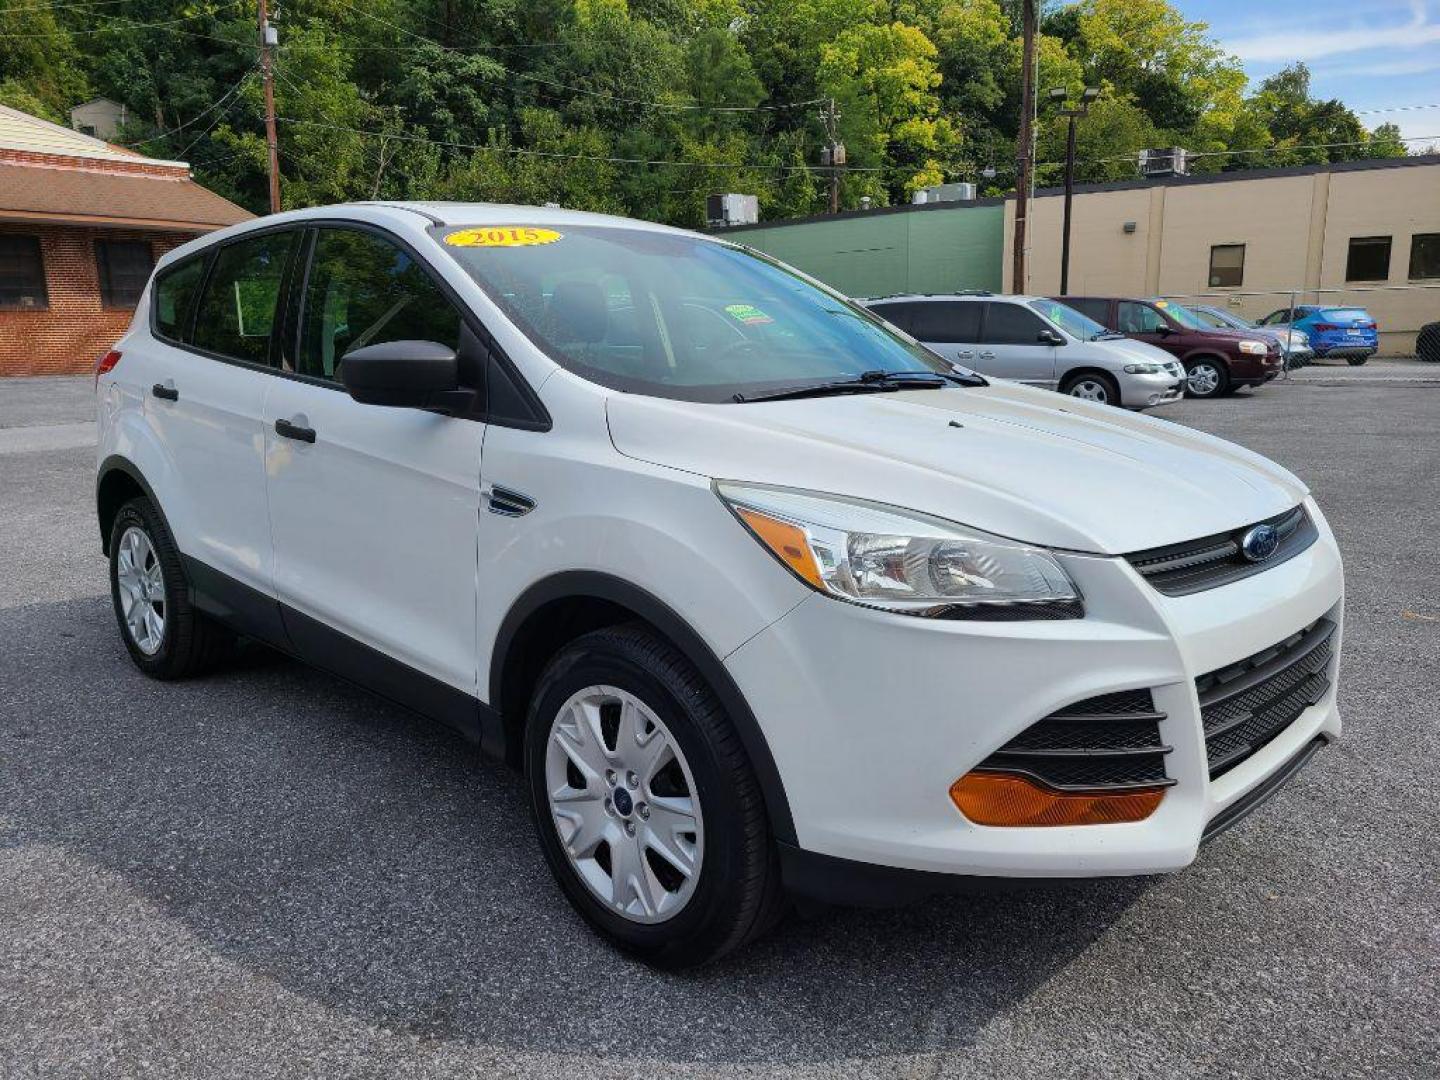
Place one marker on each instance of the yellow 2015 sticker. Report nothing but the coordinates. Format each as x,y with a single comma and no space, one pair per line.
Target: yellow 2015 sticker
502,236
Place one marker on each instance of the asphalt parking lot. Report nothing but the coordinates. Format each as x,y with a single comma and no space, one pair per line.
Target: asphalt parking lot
268,873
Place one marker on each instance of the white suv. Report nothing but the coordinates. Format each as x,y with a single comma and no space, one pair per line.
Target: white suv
1039,341
764,598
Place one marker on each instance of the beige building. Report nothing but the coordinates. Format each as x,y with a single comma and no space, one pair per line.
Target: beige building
1364,233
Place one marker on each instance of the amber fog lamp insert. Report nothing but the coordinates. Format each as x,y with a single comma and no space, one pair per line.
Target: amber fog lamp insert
992,798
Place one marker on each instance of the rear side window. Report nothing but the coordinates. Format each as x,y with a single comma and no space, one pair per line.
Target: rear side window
363,290
175,291
1011,324
947,322
238,307
901,315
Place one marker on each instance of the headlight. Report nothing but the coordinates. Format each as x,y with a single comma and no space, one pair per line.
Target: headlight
885,557
1299,339
1144,369
1254,348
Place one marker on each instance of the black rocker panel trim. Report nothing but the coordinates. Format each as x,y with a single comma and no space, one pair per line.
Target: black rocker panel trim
587,584
243,609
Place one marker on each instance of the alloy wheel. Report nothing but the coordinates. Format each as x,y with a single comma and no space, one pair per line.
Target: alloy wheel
142,590
1091,390
624,804
1203,379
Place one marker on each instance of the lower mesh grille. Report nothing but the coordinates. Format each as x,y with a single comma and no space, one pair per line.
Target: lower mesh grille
1246,704
1105,743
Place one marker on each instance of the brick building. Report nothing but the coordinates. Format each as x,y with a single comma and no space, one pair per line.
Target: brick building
81,224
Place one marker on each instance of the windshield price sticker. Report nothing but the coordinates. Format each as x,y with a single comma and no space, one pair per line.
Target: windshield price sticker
748,314
503,236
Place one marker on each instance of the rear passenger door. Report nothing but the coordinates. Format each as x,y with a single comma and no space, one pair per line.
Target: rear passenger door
374,510
1013,345
211,321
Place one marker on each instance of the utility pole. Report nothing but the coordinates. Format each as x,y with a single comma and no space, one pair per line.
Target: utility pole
833,156
268,38
1072,114
1025,146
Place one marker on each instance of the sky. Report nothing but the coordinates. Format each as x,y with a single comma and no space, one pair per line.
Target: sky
1371,54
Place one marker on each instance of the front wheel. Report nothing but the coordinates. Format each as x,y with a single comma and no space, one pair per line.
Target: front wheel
1092,386
646,806
1206,378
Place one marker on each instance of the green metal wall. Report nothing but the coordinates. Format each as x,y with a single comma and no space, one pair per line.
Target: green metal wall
880,254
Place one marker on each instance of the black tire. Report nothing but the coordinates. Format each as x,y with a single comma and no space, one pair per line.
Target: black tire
1356,361
190,643
1210,389
1103,383
1427,345
737,895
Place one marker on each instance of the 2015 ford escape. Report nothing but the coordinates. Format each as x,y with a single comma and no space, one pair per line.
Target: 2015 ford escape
764,597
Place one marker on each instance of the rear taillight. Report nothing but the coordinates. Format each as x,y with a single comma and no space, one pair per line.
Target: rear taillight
1324,327
1368,326
106,363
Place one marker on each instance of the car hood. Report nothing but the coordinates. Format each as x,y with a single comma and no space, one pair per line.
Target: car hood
1012,460
1128,351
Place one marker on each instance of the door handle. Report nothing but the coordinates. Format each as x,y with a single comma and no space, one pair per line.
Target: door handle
965,354
987,356
287,430
164,392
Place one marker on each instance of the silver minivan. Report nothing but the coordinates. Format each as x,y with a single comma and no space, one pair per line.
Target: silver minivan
1039,341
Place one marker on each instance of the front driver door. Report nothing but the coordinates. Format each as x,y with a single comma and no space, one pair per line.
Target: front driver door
374,510
1144,322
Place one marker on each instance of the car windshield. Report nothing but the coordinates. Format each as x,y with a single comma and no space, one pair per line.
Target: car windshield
1183,315
1068,319
1223,320
674,315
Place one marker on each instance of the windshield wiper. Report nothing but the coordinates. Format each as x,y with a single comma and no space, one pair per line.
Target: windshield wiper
867,382
1105,335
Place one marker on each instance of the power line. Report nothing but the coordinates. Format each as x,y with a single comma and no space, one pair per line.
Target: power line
196,118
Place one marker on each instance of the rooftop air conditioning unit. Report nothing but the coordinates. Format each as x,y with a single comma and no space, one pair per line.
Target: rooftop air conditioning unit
961,192
1170,161
722,211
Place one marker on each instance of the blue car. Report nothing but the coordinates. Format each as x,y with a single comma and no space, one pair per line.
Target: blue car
1347,332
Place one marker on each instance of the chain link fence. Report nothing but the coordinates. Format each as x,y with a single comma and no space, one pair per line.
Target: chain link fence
1407,317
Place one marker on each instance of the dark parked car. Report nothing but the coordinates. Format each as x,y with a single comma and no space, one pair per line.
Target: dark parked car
1427,345
1216,361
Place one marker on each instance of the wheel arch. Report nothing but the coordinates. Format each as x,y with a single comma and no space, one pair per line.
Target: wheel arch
558,609
117,481
1088,369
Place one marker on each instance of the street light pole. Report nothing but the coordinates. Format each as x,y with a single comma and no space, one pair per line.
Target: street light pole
1071,115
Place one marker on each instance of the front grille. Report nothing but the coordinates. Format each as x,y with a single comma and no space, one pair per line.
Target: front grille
1211,561
1106,743
1246,704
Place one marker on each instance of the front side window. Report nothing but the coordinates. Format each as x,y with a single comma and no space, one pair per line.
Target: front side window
1369,259
673,315
1227,265
1137,318
175,291
238,308
1425,256
22,273
1012,324
363,290
124,267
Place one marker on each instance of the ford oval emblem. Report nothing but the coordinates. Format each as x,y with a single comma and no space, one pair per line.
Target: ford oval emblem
1259,543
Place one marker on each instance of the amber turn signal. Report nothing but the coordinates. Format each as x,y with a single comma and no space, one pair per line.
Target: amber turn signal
787,542
989,798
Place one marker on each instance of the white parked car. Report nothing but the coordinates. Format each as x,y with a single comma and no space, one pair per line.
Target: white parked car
1036,340
764,598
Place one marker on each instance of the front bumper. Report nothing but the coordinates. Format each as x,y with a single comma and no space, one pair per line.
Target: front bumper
872,716
1147,391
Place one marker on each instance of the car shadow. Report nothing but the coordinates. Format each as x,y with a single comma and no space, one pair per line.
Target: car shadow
363,858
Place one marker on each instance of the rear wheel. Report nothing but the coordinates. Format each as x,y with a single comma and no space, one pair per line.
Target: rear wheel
1206,378
645,803
166,637
1356,361
1092,386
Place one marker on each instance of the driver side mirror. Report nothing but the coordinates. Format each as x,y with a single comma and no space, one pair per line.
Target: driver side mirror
1050,337
405,375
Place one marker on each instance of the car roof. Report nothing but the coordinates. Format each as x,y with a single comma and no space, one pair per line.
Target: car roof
964,294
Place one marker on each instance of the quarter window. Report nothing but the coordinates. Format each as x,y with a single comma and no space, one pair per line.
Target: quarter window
363,290
175,290
238,308
1369,259
1011,324
124,267
1139,318
1227,265
1425,255
22,273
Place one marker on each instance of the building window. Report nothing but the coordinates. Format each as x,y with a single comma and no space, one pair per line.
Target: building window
1369,259
1425,255
22,274
1227,265
125,267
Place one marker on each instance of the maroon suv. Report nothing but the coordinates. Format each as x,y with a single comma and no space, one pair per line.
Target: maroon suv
1216,361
